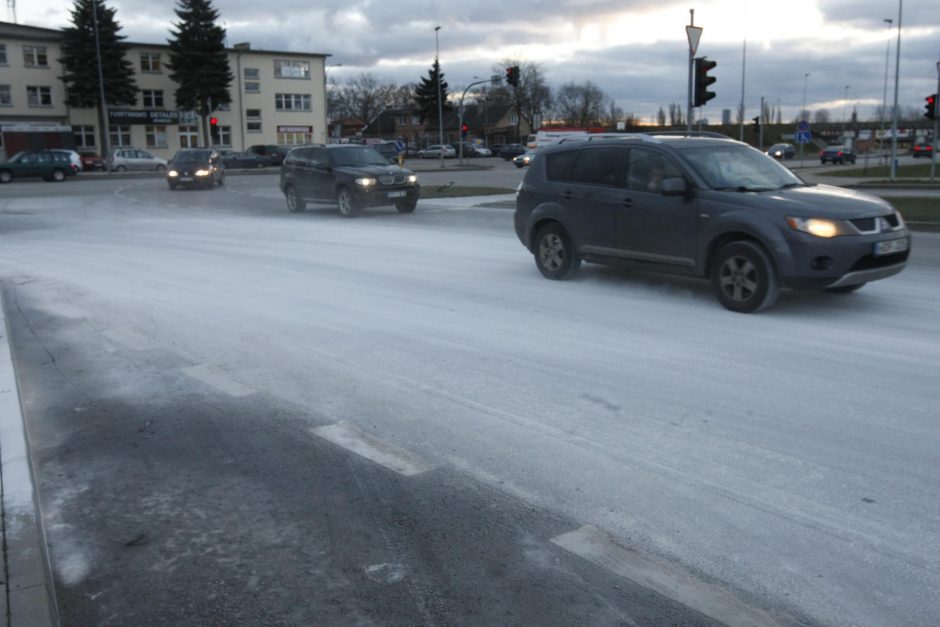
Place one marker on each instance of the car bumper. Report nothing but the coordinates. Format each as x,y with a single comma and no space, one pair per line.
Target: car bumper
841,261
386,194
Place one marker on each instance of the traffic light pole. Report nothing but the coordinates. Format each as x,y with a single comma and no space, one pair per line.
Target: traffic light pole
688,108
460,113
936,119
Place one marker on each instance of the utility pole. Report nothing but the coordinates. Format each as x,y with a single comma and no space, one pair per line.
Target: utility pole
894,118
105,127
694,34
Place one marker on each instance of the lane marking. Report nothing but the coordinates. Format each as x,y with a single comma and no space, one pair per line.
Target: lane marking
595,546
219,381
367,445
130,339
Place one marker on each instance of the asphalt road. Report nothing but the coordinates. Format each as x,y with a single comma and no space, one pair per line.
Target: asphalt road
240,415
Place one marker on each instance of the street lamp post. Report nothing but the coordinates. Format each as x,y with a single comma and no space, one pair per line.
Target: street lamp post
894,116
440,104
845,100
103,109
884,100
326,98
802,112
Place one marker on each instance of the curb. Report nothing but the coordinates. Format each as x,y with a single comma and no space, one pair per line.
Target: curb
27,593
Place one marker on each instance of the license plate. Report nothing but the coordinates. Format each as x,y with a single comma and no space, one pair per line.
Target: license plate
397,194
186,179
891,246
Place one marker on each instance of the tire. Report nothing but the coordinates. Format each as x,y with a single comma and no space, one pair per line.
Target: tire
295,204
822,161
845,289
222,179
743,278
121,168
161,167
5,176
58,176
555,255
348,206
172,185
406,206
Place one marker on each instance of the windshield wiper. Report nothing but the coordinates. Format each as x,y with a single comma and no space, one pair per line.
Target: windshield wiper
742,188
789,185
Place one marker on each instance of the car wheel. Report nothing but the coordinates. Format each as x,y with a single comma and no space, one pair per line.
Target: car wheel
5,176
58,176
222,179
161,167
743,278
555,255
347,203
844,289
406,206
172,185
120,168
295,204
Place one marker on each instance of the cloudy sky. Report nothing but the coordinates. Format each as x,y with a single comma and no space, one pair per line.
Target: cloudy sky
635,50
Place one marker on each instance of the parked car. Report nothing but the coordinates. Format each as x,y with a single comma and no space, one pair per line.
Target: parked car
524,159
196,167
711,208
435,151
47,164
352,176
91,161
509,151
472,150
782,151
837,154
389,150
495,149
125,159
272,152
74,158
482,151
232,159
923,149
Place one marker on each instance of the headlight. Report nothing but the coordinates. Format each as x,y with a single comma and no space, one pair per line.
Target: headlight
412,178
365,182
820,227
172,173
202,172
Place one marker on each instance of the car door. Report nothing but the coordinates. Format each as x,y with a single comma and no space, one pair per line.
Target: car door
652,226
322,178
594,197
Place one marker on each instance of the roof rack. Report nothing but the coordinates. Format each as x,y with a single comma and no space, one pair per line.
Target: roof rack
690,134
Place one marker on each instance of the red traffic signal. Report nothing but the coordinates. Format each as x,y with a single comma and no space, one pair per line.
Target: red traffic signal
930,108
702,80
213,121
464,129
512,75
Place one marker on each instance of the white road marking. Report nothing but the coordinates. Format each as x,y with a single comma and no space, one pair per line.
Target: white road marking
366,445
130,339
597,547
219,381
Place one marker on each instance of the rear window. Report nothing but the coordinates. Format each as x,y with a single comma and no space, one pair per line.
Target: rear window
601,166
558,165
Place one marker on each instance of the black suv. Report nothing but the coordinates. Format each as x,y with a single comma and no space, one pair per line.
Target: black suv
195,167
351,175
704,207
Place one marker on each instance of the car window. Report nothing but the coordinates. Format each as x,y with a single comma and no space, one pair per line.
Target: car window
358,156
647,168
738,167
601,166
318,157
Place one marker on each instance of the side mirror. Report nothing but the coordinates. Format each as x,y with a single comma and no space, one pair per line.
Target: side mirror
674,186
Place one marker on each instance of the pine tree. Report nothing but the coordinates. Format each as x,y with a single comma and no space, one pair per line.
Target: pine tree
79,60
425,95
198,61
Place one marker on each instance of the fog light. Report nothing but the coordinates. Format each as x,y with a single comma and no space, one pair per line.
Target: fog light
821,263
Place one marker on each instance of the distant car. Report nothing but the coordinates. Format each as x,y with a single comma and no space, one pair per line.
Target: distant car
389,150
125,159
837,154
272,152
74,158
350,175
524,159
196,167
91,161
435,152
483,151
47,164
923,149
232,159
782,151
509,151
495,148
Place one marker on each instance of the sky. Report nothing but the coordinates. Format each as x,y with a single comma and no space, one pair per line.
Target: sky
635,50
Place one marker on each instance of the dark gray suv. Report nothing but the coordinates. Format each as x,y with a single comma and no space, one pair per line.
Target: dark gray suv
703,207
351,175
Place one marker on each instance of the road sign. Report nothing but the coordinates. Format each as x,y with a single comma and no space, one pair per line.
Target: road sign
803,125
803,137
695,34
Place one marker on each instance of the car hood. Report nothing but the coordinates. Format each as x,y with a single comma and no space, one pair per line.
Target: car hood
824,201
373,170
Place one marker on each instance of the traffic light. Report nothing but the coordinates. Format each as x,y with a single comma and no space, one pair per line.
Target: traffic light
464,129
214,129
756,121
703,80
930,108
512,75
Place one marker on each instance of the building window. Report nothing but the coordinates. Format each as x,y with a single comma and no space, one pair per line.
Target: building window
153,98
156,136
291,69
225,136
253,114
292,102
6,96
252,73
252,88
3,54
513,119
189,137
39,96
253,127
35,56
294,138
119,136
416,119
150,62
223,107
84,136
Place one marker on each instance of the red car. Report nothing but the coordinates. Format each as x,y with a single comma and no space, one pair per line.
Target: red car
91,161
923,150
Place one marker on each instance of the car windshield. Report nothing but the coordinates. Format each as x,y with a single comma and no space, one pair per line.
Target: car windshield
191,157
735,167
357,157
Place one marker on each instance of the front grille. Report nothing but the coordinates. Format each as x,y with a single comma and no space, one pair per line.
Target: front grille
392,179
880,224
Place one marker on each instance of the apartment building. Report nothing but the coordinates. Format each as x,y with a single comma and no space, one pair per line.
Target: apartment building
277,98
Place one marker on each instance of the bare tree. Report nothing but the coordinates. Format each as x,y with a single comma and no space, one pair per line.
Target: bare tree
821,116
580,105
532,96
675,114
363,97
661,117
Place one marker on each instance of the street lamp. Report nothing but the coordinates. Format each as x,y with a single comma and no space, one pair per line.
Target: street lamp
440,104
845,100
894,116
884,100
802,113
326,98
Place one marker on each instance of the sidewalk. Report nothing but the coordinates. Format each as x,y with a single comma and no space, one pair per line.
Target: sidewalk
27,595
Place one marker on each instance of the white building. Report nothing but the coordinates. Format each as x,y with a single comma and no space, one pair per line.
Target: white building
277,98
